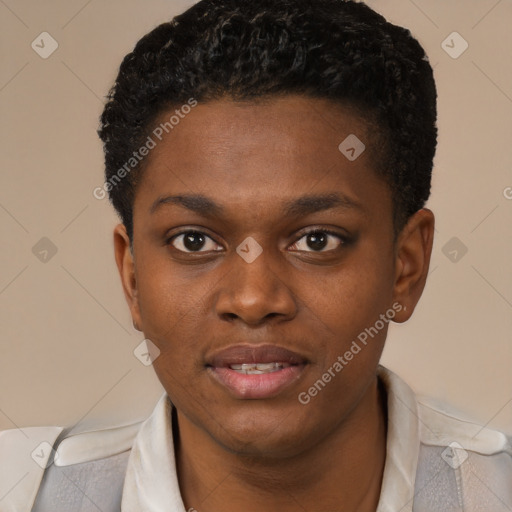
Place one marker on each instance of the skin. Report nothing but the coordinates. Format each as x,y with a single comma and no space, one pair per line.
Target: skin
252,159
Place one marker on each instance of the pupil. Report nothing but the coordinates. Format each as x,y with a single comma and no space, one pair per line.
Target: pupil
194,241
317,241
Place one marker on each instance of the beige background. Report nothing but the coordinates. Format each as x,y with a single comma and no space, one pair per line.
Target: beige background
66,346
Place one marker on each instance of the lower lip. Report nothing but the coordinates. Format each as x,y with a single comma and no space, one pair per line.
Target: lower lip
266,385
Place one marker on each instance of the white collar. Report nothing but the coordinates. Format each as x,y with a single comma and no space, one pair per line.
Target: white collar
402,447
151,482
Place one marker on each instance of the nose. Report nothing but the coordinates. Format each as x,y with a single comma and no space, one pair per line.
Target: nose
254,293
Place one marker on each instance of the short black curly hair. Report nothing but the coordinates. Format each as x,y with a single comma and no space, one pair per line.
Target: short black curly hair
248,49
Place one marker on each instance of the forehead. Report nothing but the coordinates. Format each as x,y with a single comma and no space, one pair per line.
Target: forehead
261,152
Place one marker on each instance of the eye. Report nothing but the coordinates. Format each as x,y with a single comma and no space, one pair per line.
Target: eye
193,241
318,241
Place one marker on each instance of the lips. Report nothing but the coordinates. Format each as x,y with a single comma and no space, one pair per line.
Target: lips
256,371
254,354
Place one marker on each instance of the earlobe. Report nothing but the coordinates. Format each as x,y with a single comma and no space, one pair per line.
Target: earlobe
413,251
126,267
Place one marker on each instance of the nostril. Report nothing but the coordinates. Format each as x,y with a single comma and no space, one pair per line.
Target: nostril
230,316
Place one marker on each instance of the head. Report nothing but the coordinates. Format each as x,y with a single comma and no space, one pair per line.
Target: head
270,163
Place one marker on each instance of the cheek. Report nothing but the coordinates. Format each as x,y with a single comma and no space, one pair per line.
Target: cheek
350,298
172,309
347,307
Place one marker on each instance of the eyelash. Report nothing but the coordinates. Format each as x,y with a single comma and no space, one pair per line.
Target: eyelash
344,240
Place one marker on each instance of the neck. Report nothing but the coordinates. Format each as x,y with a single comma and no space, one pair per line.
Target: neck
343,471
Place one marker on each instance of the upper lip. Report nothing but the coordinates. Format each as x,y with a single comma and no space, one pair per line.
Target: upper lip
240,354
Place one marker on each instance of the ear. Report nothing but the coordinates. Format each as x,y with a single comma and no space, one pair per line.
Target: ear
412,260
126,266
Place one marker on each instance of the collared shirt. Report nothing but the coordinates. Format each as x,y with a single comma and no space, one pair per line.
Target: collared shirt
434,463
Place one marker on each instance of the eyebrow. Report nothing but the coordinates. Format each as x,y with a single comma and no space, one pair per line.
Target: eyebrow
301,206
194,202
308,204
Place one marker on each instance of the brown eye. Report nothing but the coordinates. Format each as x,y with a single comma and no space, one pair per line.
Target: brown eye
318,241
194,241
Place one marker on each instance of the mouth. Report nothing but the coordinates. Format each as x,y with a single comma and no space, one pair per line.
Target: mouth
258,368
256,371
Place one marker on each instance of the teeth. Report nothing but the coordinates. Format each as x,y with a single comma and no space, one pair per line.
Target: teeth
258,368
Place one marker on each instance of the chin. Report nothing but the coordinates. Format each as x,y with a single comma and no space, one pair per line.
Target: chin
273,436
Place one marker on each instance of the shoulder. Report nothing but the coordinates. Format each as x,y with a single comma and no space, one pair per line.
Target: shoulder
45,469
440,425
25,454
462,465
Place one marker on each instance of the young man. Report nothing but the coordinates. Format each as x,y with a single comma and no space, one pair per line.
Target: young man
270,162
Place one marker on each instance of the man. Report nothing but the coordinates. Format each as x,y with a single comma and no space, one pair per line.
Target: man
270,163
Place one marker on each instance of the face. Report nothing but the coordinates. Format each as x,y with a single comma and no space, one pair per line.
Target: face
262,256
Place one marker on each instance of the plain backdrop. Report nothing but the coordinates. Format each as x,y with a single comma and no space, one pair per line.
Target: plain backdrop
67,341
